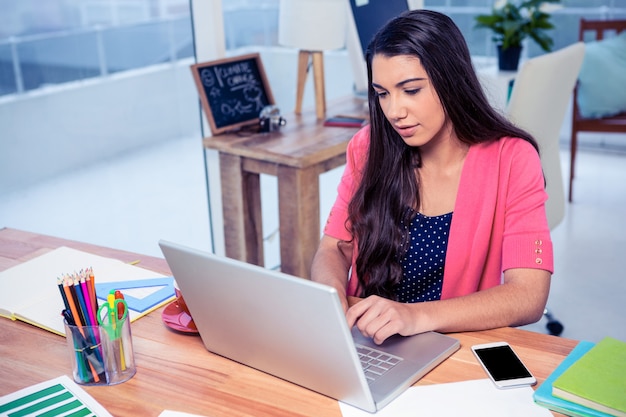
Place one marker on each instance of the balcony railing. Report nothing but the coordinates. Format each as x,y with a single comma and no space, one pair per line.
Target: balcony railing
32,62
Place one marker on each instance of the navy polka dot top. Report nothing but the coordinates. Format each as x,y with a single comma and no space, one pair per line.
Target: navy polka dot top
423,262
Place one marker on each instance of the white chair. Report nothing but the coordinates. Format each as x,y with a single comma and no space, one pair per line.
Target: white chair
541,94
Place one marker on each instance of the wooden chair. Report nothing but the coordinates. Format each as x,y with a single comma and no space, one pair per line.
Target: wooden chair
613,124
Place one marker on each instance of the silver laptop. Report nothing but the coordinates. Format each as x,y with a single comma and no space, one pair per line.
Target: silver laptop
296,329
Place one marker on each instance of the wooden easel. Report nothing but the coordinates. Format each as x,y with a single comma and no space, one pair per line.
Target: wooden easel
317,57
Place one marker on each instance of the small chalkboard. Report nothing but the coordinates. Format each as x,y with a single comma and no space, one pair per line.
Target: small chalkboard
233,91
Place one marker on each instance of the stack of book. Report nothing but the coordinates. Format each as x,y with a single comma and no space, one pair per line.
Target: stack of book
591,381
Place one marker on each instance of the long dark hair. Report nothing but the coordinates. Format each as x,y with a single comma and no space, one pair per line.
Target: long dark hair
389,183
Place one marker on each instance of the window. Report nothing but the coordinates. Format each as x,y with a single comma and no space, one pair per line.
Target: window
255,22
90,90
78,40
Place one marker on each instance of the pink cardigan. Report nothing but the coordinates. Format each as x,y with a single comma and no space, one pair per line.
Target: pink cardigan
499,220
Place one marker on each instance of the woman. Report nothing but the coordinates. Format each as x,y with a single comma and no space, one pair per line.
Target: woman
439,222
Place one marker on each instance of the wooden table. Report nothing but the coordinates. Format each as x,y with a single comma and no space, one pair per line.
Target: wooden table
296,154
175,372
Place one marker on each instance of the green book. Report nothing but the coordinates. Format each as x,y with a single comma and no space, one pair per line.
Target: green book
598,379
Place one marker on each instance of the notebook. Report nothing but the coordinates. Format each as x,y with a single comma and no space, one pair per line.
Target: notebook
295,329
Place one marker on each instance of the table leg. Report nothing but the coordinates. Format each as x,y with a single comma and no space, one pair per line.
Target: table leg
241,205
299,218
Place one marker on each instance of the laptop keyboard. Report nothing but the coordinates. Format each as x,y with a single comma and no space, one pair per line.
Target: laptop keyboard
375,362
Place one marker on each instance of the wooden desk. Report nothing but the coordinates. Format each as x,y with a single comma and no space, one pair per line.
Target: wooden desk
296,155
175,372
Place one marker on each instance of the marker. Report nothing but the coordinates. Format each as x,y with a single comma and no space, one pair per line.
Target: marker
120,306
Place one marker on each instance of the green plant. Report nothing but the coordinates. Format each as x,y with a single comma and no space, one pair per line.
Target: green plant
511,23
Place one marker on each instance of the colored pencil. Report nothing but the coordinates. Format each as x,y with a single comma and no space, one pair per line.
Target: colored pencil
82,307
71,301
75,308
91,314
62,291
91,281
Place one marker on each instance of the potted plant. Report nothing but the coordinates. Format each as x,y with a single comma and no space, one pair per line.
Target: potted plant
512,22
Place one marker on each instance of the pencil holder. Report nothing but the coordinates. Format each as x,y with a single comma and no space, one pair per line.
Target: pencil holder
101,355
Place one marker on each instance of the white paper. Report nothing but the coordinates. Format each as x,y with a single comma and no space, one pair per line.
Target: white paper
169,413
479,398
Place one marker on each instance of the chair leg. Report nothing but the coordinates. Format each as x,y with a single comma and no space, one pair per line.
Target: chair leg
572,163
555,328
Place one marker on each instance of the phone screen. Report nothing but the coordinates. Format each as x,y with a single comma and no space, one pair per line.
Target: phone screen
502,363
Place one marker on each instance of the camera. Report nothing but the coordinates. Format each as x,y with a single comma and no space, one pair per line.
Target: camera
270,119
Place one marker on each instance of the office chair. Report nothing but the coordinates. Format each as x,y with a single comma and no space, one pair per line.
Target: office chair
539,100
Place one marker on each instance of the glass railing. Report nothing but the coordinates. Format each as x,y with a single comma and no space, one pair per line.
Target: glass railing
32,62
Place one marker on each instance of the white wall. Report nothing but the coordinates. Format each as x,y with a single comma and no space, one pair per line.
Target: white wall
107,116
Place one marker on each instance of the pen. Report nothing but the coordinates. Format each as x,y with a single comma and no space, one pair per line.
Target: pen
68,317
112,316
121,307
111,310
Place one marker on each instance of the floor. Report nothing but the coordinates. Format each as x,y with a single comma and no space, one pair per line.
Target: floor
159,192
128,202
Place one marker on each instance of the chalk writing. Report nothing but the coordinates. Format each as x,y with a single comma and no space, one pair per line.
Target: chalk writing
234,90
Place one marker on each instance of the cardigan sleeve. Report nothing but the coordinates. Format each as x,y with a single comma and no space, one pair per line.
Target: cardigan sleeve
499,219
526,238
